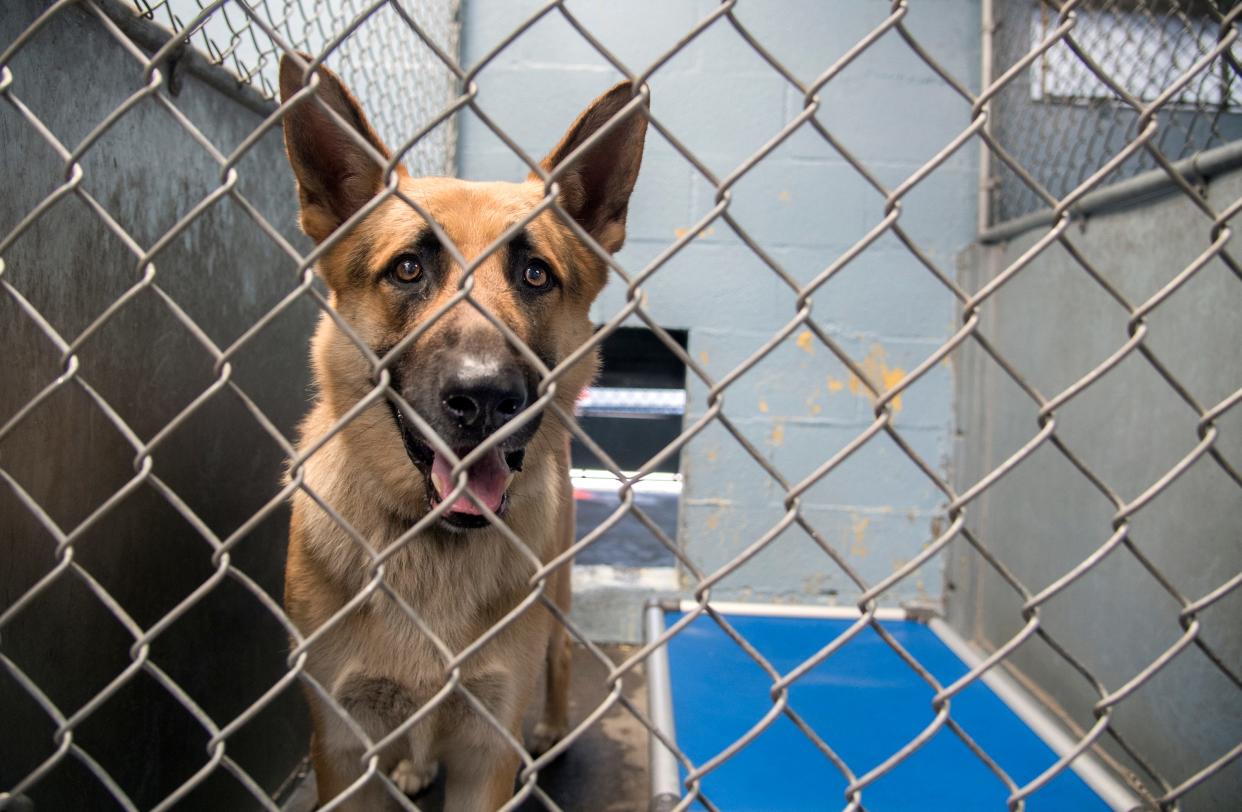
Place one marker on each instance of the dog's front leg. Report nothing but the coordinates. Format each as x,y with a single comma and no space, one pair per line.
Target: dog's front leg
417,770
479,781
336,754
554,722
336,771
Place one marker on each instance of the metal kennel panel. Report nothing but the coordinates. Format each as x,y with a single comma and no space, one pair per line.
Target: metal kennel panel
134,393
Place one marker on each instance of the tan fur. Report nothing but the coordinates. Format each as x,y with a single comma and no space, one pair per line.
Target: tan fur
374,659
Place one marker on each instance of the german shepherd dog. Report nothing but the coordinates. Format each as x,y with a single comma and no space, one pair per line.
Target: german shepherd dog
387,274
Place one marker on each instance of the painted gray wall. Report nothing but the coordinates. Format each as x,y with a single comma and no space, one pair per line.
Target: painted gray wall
225,273
1054,324
805,206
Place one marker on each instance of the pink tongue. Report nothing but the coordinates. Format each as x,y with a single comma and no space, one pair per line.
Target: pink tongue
487,479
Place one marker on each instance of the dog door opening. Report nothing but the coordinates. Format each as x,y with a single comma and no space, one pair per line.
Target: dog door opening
633,411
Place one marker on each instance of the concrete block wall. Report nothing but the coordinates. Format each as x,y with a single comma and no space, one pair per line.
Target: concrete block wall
805,206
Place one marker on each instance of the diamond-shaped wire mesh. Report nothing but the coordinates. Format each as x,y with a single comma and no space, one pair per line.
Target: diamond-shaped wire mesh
1062,121
391,71
145,404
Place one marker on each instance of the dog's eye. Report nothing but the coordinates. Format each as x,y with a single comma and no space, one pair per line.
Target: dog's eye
407,270
537,274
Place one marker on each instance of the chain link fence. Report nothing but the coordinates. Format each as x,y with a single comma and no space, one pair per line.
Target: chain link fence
392,71
1131,113
1062,122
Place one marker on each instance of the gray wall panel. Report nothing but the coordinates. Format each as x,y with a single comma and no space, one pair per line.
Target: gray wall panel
1054,325
147,172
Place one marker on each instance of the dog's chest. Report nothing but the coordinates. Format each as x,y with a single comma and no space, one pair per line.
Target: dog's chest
443,711
394,660
444,593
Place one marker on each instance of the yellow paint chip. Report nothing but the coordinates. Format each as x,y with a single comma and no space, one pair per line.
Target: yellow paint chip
784,196
778,434
704,357
858,531
763,405
681,232
879,373
804,341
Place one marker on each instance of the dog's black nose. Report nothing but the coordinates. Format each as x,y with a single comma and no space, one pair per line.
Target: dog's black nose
484,398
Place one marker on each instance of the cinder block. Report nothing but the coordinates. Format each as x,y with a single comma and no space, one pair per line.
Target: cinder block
884,119
877,475
791,381
884,292
947,29
794,568
723,118
784,202
636,33
510,96
701,284
939,213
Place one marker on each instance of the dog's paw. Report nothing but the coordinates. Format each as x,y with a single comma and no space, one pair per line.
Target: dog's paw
413,778
544,737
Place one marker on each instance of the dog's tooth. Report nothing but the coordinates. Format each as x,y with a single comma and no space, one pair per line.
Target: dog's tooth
509,480
438,482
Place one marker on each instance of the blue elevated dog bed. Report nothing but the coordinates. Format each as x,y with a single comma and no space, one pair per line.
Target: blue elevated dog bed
866,703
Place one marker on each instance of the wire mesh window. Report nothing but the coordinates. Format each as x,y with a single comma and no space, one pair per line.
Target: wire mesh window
856,400
1077,108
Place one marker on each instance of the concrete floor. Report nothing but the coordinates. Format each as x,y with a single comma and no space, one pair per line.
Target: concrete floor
604,770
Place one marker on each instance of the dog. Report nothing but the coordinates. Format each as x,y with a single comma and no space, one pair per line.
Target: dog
389,276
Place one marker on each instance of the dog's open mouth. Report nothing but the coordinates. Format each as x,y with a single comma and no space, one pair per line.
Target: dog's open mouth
488,478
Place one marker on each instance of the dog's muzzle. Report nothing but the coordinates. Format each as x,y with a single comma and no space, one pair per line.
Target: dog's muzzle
472,403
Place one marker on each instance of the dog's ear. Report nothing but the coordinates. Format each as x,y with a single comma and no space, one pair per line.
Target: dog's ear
336,176
596,188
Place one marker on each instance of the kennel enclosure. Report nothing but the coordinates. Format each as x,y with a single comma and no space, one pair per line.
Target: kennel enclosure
951,284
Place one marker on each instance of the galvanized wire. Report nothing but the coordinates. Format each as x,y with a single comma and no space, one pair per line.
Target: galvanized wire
1062,122
393,73
257,33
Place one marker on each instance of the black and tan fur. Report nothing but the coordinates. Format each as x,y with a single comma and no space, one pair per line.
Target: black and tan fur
460,578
